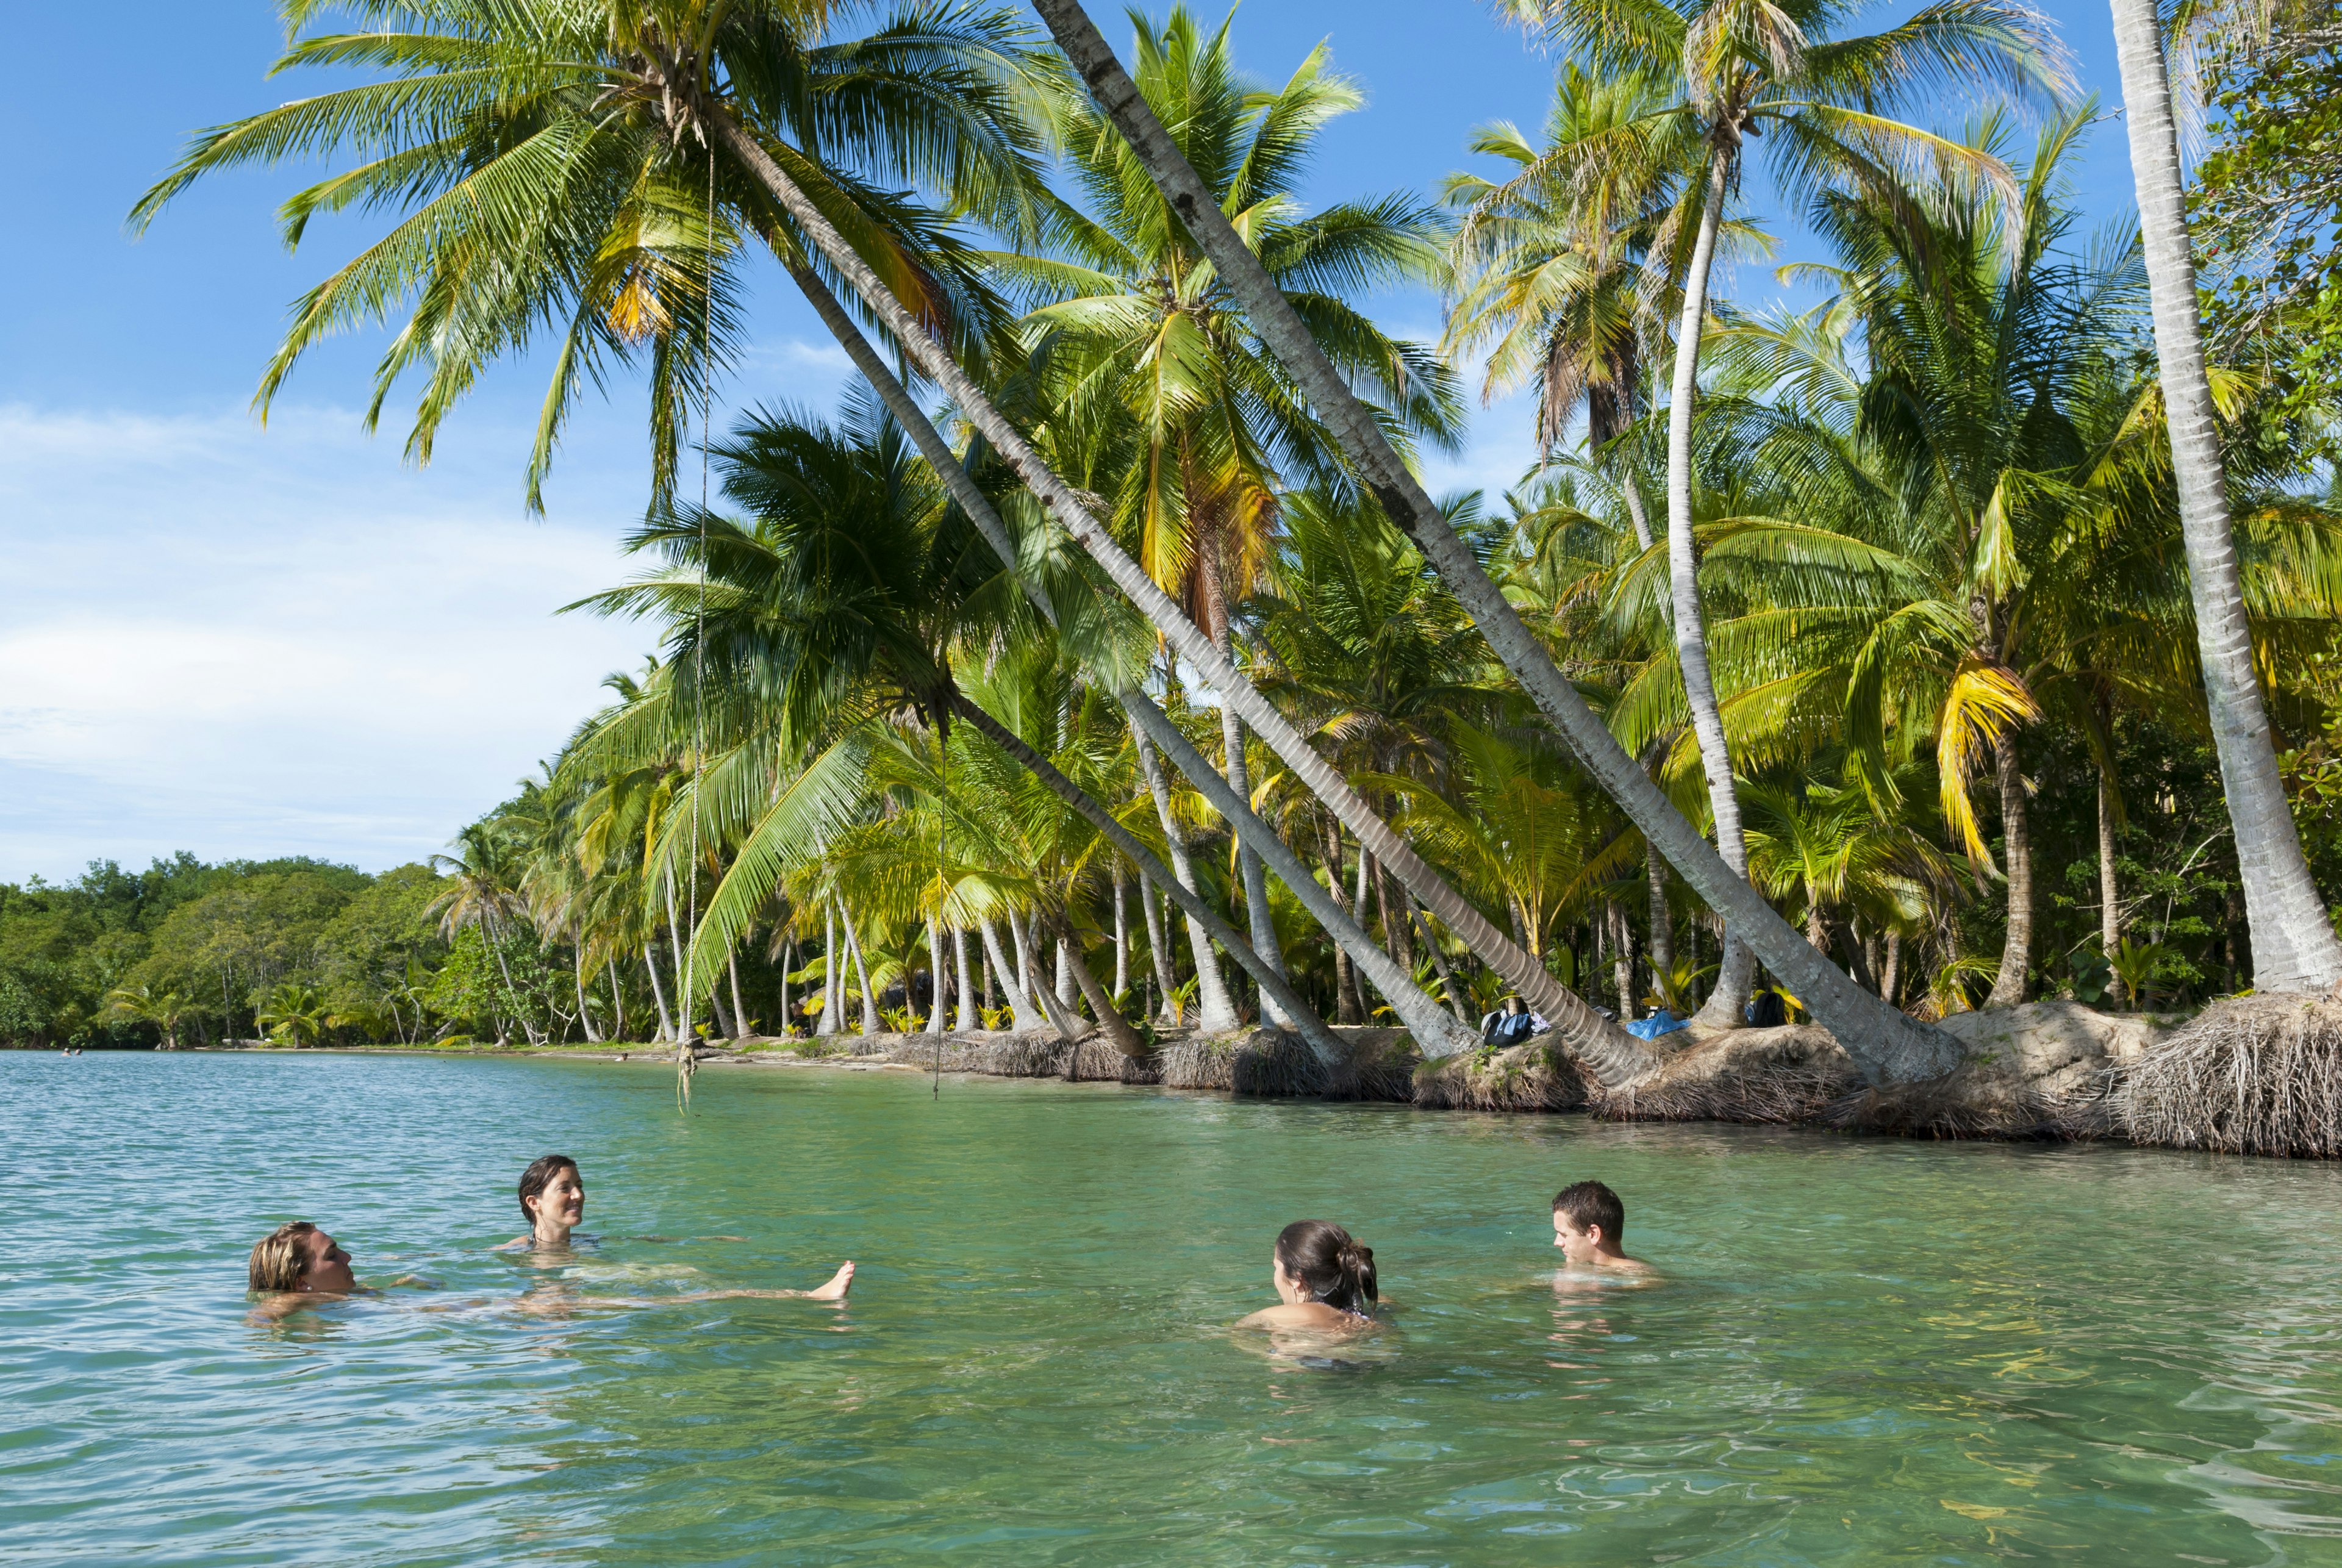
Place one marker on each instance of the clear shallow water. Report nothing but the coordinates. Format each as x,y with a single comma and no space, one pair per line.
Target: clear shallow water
1863,1351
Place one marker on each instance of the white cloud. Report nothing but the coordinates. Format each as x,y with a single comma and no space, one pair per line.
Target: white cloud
248,642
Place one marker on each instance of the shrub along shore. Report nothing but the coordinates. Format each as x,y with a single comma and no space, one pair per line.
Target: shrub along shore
2257,1083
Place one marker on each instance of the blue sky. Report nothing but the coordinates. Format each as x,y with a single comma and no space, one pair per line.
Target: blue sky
247,642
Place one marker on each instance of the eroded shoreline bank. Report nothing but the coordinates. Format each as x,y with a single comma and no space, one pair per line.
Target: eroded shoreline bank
2050,1071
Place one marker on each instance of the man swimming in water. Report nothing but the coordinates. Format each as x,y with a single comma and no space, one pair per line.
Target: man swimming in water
1589,1226
552,1201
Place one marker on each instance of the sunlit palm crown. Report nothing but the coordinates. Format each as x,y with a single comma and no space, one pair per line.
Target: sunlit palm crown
1135,325
552,181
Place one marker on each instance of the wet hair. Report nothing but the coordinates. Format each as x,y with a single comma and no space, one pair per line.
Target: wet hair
280,1258
539,1175
1590,1203
1329,1263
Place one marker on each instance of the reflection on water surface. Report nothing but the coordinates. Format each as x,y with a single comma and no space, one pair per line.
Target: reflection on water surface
1861,1349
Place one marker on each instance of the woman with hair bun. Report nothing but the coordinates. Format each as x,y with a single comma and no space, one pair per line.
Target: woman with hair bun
1325,1280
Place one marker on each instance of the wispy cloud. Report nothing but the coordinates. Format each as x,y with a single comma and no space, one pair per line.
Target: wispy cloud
247,642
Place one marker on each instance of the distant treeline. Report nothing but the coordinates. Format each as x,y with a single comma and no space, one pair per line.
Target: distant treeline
304,952
189,953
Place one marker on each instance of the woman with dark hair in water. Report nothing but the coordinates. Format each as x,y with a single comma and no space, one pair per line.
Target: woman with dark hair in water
552,1201
1325,1280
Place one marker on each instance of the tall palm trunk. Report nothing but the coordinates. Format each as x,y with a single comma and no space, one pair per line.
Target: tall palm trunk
1121,936
1158,954
2294,944
1214,1011
512,996
1249,871
968,1019
788,962
585,1013
1273,983
833,975
617,998
1622,959
1023,1015
658,992
1614,1054
1885,1044
1062,1017
739,1013
1738,975
861,971
2017,857
2110,892
1349,1007
725,1029
1110,1021
935,976
1023,942
1660,943
1891,978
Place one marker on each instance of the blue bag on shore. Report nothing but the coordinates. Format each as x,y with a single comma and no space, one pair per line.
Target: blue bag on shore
1660,1022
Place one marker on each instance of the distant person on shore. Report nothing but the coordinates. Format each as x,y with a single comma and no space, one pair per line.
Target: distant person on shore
1324,1281
1589,1226
552,1201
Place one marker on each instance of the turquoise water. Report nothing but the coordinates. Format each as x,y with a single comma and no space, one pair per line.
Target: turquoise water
1863,1351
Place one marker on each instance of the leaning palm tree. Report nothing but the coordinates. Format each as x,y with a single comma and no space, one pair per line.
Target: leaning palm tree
1140,334
1886,1044
839,605
549,105
2294,943
1820,103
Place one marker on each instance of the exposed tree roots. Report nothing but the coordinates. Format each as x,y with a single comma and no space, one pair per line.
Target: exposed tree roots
1269,1062
1768,1076
2254,1075
1532,1077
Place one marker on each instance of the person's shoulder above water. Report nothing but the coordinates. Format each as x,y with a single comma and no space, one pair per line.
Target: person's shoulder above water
1303,1314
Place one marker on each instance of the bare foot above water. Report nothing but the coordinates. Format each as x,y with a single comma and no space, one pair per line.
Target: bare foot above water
839,1283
